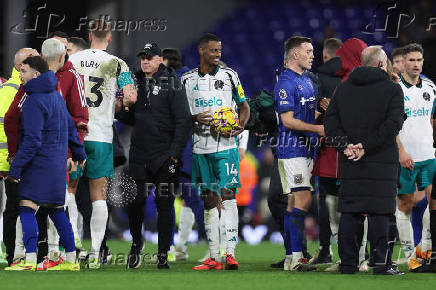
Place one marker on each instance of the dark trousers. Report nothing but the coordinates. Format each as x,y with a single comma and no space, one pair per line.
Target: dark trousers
350,239
10,216
165,181
326,186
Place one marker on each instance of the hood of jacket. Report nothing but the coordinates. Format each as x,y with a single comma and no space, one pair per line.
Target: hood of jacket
349,53
331,67
45,83
366,75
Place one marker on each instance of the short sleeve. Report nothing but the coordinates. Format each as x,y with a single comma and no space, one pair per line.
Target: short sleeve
284,97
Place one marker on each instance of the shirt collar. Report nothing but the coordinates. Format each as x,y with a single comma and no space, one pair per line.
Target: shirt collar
418,85
212,74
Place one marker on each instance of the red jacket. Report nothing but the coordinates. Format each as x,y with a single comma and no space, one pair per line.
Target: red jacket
327,163
70,86
2,80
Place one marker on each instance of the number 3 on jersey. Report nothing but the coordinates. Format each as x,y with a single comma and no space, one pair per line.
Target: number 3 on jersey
231,170
95,90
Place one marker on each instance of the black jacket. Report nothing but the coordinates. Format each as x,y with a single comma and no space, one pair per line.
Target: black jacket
328,80
162,121
367,108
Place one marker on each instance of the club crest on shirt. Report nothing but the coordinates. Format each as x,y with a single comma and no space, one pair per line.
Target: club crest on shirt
300,87
282,94
156,90
298,178
426,96
219,84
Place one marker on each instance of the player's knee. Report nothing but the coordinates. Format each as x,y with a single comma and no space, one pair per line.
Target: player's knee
228,194
210,199
405,203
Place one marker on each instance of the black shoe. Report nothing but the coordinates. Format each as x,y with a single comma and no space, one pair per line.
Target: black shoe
323,257
162,261
278,265
105,256
391,271
134,258
306,255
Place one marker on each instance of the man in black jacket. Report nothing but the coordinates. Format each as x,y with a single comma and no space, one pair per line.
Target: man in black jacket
162,124
367,113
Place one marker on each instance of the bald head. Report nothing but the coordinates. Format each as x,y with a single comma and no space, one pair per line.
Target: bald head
374,56
22,54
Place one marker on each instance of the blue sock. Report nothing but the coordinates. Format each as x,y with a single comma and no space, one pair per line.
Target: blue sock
287,231
30,228
64,228
297,229
416,219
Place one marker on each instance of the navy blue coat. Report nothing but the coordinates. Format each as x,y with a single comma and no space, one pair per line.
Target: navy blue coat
46,132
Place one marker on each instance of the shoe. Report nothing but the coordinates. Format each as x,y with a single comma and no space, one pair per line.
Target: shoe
65,266
414,265
209,264
306,255
93,263
278,265
231,263
424,255
162,261
321,257
391,271
333,268
81,254
22,266
134,258
364,266
16,261
182,256
171,256
47,264
105,256
302,265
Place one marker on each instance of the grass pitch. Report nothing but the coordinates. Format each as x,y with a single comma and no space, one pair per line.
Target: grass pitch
254,273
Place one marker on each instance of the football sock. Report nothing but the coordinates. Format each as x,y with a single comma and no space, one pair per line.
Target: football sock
405,232
19,250
211,224
433,230
416,219
287,231
426,235
223,235
185,226
231,221
297,229
73,213
30,232
52,237
98,225
63,226
332,205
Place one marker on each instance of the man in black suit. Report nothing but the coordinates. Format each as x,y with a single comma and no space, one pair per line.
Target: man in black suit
362,121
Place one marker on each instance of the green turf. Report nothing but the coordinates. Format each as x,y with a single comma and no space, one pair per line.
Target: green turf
254,273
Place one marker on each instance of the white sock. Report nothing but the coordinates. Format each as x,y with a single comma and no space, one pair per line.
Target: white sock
426,235
185,226
334,216
231,221
211,224
405,232
362,250
296,256
19,250
288,258
223,234
73,213
98,225
31,257
52,237
80,225
70,257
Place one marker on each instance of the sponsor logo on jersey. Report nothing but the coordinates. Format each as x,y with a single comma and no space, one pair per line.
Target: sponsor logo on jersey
200,102
417,112
283,94
284,103
304,100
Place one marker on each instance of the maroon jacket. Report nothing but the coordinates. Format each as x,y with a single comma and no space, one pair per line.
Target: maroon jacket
70,86
327,163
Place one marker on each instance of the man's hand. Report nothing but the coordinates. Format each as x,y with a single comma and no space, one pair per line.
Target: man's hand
204,118
324,103
238,130
12,179
71,165
130,95
395,77
320,130
11,158
354,152
406,160
82,164
82,128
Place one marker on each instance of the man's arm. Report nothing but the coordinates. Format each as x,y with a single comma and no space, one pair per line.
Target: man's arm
292,123
32,123
12,123
74,144
183,122
76,104
406,160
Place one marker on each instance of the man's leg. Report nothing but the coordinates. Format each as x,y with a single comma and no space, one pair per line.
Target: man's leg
10,216
378,232
99,215
231,222
418,211
350,227
73,212
42,221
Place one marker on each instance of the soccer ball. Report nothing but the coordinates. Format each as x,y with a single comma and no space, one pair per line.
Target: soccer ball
224,120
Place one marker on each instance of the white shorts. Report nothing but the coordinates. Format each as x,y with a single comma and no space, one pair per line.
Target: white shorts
295,174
